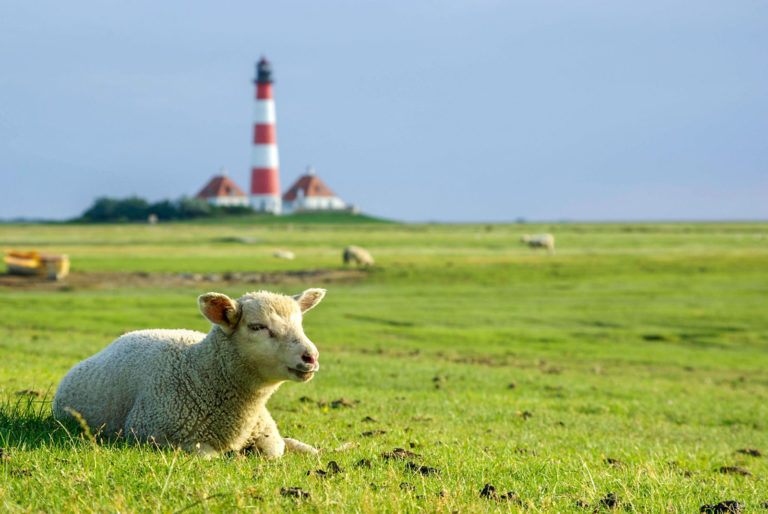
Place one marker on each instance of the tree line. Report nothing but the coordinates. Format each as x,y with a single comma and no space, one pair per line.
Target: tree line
134,208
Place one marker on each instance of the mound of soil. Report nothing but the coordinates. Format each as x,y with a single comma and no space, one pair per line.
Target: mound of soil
119,279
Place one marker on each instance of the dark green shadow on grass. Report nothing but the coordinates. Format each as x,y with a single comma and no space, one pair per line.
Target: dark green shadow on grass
28,422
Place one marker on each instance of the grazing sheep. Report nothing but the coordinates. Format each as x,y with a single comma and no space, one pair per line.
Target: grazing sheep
283,254
360,256
203,393
540,241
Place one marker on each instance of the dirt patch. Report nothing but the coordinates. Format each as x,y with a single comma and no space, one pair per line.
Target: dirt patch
723,507
490,493
369,433
30,392
333,468
655,337
736,470
610,501
118,279
342,402
295,492
424,470
401,454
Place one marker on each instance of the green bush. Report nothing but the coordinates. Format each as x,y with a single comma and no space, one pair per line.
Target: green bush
133,208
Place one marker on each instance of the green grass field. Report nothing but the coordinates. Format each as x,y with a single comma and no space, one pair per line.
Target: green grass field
632,362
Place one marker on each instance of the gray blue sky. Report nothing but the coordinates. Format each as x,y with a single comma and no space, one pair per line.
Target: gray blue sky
475,110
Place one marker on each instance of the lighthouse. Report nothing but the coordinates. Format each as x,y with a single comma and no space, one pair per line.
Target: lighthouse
265,179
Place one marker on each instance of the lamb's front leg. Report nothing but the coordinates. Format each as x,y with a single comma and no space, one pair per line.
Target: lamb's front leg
205,451
299,447
267,439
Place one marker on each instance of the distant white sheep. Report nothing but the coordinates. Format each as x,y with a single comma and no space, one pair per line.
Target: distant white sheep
203,393
540,241
284,254
359,256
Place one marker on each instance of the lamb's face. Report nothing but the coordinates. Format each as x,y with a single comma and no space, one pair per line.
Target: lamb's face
270,337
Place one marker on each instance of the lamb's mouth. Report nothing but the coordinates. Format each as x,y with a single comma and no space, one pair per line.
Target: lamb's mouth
301,375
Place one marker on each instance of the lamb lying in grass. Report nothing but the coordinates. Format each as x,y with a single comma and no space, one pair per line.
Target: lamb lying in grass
540,241
203,393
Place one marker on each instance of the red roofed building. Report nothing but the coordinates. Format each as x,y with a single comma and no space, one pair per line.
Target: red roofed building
222,192
309,193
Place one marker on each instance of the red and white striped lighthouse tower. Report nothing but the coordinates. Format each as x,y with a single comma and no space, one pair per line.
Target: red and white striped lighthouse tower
265,179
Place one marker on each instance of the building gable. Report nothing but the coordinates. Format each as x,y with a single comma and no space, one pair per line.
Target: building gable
307,186
220,186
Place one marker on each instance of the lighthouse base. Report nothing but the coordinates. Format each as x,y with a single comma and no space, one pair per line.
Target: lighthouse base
266,203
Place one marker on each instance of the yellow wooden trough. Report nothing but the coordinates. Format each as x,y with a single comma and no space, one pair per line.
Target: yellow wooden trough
50,266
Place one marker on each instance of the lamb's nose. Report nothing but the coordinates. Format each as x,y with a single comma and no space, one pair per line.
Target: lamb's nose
309,358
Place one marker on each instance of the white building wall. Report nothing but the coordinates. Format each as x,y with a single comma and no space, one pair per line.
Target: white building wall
229,201
315,203
266,203
320,203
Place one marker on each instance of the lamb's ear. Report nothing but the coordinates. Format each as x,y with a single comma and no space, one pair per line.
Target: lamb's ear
309,298
220,309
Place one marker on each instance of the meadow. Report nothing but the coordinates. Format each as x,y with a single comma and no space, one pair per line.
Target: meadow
626,372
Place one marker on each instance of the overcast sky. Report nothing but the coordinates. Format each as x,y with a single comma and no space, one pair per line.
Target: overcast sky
475,110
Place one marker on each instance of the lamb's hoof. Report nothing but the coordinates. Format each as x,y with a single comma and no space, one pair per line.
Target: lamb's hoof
299,447
205,451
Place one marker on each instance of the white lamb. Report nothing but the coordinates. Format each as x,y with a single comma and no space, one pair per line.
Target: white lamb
540,241
203,393
284,254
360,256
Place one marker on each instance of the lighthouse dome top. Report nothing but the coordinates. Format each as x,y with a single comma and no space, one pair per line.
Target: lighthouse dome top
263,71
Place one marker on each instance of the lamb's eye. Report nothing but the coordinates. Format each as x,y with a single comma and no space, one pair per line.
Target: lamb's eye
258,326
